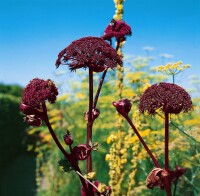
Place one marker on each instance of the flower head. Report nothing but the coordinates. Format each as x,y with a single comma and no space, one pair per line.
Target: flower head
123,106
171,98
118,29
172,68
38,91
34,96
92,52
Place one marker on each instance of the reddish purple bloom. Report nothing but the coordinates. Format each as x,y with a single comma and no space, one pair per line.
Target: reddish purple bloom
123,106
118,29
34,96
171,98
38,91
92,52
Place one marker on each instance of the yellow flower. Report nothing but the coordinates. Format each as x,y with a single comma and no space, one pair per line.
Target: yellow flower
119,6
107,158
123,161
111,138
172,68
90,175
101,187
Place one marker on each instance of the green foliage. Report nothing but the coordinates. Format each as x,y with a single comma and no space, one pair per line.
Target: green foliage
14,90
65,165
11,123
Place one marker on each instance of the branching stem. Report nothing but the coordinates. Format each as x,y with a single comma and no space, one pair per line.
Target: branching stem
68,157
142,141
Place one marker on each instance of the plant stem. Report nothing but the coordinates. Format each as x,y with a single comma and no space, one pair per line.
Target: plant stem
167,182
68,157
118,45
54,135
142,141
173,77
99,89
89,127
175,186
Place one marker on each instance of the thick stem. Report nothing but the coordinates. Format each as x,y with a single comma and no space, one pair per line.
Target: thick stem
143,142
99,89
68,157
89,127
167,182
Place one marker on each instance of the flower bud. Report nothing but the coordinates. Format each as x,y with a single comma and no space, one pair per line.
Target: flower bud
175,174
68,138
95,113
33,120
123,106
81,152
156,178
30,111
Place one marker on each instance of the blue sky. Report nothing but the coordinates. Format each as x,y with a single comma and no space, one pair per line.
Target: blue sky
33,32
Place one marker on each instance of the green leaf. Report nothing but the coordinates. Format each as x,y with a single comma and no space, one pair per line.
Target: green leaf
66,165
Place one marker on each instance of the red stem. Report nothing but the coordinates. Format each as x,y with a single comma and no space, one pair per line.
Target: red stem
142,141
99,88
167,182
89,127
89,124
68,157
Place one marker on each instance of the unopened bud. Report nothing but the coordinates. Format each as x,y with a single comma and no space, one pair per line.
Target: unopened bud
68,138
81,152
95,113
33,120
123,106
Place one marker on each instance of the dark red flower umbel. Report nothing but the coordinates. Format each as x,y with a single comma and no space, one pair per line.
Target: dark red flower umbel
118,29
171,98
123,106
34,96
92,52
